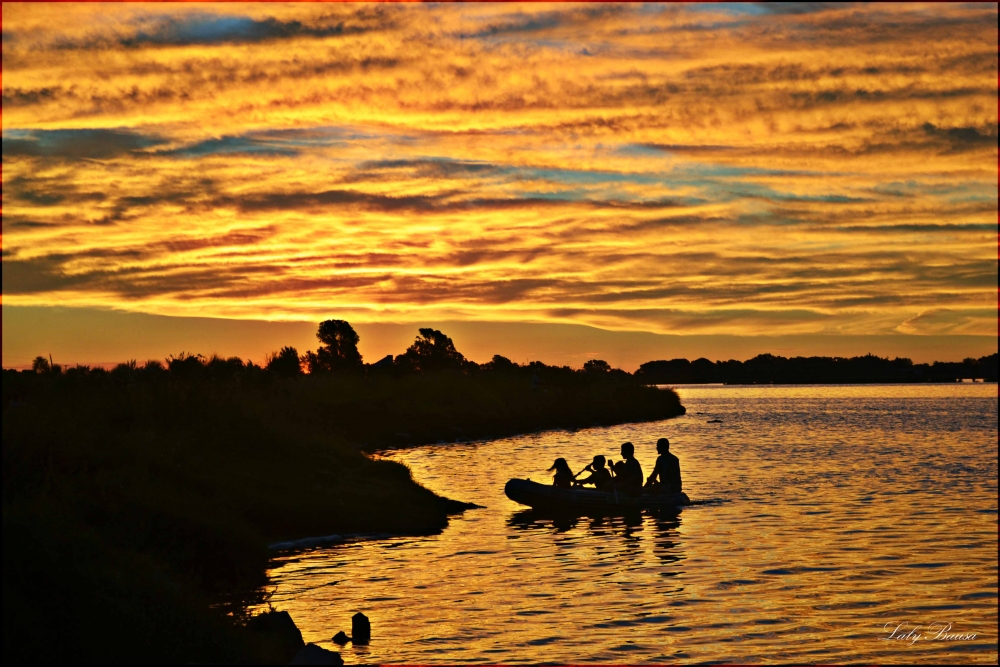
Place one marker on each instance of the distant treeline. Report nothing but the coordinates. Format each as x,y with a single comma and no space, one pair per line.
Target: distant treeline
433,351
767,368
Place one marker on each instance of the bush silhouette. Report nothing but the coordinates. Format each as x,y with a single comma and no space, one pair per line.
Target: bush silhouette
285,363
500,363
597,366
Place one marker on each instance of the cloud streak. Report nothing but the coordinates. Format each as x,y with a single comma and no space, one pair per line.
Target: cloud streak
820,168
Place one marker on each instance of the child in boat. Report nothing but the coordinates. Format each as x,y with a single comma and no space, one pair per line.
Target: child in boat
600,476
564,476
668,469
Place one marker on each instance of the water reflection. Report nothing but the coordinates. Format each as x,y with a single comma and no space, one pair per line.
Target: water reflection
827,516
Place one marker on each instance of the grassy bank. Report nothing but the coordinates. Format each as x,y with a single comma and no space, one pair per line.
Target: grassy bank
137,504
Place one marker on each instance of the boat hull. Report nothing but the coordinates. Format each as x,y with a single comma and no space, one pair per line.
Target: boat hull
583,501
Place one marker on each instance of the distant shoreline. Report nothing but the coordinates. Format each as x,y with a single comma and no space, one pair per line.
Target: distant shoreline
829,383
771,369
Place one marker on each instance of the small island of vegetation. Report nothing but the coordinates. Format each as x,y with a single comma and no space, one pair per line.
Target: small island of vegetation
771,369
138,502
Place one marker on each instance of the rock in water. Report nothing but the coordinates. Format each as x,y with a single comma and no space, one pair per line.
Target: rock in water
280,639
341,638
311,654
361,629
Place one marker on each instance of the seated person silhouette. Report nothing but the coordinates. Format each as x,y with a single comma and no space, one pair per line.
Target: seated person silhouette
628,472
600,476
564,476
668,470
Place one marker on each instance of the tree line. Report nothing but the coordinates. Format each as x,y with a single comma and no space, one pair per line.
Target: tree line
338,353
432,351
768,368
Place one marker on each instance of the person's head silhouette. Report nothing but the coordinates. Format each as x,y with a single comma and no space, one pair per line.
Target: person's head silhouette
628,450
662,446
560,465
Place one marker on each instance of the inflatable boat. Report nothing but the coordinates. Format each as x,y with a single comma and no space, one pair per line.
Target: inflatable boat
552,498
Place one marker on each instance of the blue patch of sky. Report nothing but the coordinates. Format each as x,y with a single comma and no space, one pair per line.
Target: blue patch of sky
637,150
272,142
607,183
561,195
957,193
80,142
59,136
731,191
714,183
715,170
208,28
231,145
578,176
203,29
729,8
972,198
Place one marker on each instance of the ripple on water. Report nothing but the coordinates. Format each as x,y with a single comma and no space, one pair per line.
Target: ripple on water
829,514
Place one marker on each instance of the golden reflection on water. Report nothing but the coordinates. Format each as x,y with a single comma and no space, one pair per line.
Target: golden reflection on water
830,512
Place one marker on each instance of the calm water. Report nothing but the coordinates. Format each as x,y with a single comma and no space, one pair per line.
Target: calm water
834,515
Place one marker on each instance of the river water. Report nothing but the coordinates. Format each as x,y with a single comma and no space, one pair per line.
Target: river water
837,520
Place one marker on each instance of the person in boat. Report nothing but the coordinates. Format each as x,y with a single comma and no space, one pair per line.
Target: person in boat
628,472
600,476
564,476
666,477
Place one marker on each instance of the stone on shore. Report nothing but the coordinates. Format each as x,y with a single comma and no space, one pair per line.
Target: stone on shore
311,654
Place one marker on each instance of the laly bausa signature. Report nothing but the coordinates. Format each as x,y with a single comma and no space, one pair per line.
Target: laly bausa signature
936,631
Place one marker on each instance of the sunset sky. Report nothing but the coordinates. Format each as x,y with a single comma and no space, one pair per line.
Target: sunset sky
711,180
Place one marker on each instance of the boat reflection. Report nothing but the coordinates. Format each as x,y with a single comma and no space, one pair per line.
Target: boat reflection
660,527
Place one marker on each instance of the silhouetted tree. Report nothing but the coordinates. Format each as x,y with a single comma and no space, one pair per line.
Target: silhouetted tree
227,368
339,351
285,363
500,363
597,366
431,350
665,372
40,364
988,367
702,370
